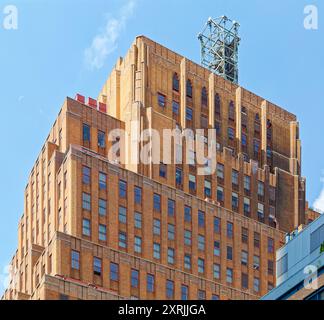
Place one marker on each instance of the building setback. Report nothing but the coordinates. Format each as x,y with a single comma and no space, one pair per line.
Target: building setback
97,228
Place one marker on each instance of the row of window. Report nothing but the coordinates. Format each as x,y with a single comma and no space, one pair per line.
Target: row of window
150,279
86,179
102,232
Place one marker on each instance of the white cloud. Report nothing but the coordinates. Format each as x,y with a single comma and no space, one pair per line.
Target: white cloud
319,202
105,42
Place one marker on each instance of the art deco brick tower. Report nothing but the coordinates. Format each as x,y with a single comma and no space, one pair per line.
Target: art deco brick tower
94,228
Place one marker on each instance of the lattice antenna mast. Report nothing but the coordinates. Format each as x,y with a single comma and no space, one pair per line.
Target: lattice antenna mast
219,47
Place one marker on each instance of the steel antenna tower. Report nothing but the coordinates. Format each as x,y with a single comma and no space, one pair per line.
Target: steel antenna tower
219,47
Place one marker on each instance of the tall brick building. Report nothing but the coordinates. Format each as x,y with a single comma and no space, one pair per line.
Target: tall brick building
96,227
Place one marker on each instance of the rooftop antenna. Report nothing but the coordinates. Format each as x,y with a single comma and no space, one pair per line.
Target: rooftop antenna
219,47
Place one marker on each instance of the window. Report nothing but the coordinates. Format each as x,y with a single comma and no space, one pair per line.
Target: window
260,211
102,232
178,176
138,244
247,206
229,275
102,181
187,214
218,128
171,208
201,265
189,114
244,140
229,253
157,227
189,89
169,289
217,104
270,286
86,201
156,251
244,258
270,245
269,152
272,194
235,177
207,189
216,270
86,175
204,121
256,284
171,231
161,100
245,235
270,267
97,266
101,139
138,220
220,194
216,248
244,117
260,189
282,265
134,278
230,133
86,133
102,207
122,189
245,281
187,262
256,240
257,123
138,195
217,225
170,255
247,183
201,242
256,262
256,147
220,171
317,238
231,111
114,271
201,295
201,218
175,107
235,201
150,283
229,230
86,229
215,297
204,96
192,182
75,260
187,237
157,202
122,240
163,170
122,215
184,292
175,82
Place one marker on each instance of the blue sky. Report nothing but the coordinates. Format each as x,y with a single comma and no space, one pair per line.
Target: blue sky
53,54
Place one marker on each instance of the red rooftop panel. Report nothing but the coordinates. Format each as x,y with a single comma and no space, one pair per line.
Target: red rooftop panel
92,103
80,98
102,107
